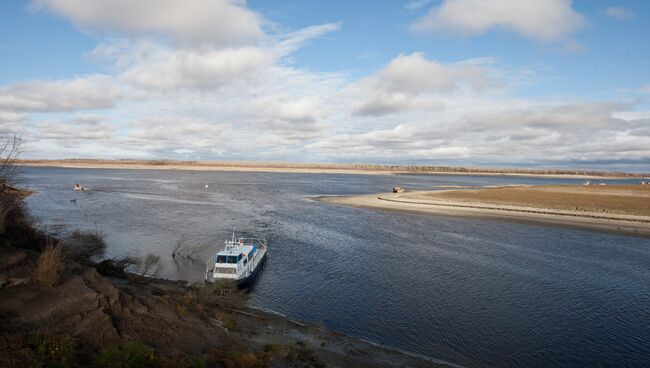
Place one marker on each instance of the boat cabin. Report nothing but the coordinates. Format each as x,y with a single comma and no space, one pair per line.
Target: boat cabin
233,262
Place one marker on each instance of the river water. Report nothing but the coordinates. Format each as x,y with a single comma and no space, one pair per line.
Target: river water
473,292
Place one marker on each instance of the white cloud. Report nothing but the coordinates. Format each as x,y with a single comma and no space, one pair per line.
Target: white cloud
179,131
69,132
645,89
619,13
294,40
546,20
409,82
192,22
298,110
157,68
81,93
557,133
12,123
11,117
169,70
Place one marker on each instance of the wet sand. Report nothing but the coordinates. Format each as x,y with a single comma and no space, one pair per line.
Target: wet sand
619,209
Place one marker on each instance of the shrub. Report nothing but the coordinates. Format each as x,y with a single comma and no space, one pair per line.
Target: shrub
131,354
116,267
85,245
54,350
150,266
50,266
8,202
228,321
243,359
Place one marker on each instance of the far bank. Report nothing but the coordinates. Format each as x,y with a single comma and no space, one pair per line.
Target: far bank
326,168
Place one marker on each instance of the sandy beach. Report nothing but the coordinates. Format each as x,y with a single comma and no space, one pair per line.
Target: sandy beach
617,208
317,168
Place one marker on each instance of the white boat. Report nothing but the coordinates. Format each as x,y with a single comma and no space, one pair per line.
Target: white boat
241,261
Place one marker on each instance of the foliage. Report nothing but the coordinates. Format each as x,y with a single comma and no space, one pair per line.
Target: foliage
8,205
54,350
149,266
9,150
50,267
83,246
131,354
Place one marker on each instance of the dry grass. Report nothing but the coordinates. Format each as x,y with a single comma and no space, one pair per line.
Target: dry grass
50,267
613,199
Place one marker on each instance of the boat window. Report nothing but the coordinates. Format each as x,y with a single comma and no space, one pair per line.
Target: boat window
227,259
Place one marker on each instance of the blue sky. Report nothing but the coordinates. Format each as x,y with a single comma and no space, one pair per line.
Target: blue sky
502,82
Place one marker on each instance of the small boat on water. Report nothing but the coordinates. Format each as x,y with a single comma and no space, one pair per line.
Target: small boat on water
241,261
79,187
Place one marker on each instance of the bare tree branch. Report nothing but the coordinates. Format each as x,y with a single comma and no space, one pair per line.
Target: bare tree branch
9,151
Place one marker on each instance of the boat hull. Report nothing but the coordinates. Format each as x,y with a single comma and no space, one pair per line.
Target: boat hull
250,279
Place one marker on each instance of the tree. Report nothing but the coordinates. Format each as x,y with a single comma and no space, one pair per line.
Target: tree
8,153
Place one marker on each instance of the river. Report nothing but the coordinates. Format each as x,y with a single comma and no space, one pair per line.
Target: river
473,292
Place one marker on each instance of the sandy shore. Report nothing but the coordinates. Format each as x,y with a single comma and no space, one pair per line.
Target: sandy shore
618,209
290,168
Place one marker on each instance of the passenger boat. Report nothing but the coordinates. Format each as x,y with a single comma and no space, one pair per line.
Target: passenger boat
241,261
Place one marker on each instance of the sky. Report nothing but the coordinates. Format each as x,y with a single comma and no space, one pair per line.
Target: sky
525,83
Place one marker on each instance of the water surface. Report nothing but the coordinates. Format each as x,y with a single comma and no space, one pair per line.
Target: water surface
474,292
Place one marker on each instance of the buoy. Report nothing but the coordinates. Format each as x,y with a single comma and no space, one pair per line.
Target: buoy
206,186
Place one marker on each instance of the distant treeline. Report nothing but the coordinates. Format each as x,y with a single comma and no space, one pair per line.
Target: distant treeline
339,166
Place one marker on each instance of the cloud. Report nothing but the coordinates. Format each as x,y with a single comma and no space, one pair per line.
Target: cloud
178,131
11,117
409,82
301,110
239,95
569,133
619,13
416,4
81,93
294,40
157,68
169,70
12,123
189,22
547,20
71,131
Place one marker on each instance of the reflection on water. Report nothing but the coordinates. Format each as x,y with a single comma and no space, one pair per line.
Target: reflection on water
470,291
